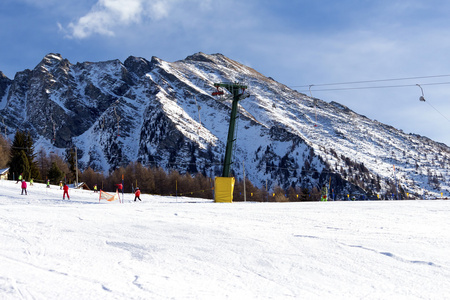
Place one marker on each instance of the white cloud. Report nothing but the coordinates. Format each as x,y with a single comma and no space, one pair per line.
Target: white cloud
107,15
158,9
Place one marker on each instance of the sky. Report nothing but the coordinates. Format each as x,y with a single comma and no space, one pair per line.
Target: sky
298,43
188,248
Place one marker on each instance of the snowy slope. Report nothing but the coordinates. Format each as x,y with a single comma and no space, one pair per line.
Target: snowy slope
162,114
177,248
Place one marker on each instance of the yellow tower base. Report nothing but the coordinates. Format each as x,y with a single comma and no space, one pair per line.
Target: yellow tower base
224,187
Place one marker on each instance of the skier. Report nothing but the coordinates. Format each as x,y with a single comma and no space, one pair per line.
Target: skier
66,192
119,188
95,188
324,193
19,179
137,194
48,183
24,187
31,182
60,185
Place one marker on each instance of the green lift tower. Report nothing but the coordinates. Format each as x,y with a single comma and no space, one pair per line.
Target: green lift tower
238,92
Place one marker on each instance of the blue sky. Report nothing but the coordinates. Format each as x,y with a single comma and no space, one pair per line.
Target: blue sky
298,43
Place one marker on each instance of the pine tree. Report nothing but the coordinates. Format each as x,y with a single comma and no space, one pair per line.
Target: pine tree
71,161
16,163
25,166
4,152
31,156
54,174
22,157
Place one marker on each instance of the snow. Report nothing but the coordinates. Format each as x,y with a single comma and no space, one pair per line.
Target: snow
53,56
184,248
4,99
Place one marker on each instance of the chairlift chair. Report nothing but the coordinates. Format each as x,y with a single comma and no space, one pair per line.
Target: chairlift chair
421,98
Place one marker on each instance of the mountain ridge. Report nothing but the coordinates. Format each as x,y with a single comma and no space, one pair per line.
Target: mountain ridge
148,111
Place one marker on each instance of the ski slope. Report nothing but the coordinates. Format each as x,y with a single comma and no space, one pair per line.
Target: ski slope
184,248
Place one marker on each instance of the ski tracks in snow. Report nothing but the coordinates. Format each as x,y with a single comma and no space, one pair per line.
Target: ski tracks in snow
396,257
11,289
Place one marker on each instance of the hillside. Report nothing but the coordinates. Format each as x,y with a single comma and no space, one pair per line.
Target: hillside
142,110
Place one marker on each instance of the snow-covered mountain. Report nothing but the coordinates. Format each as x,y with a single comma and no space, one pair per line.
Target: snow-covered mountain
162,113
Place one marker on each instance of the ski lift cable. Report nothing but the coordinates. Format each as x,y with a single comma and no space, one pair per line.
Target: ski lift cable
376,80
438,111
377,86
422,98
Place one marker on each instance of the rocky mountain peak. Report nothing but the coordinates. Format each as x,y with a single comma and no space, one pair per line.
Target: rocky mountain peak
4,83
201,57
52,63
138,65
50,60
2,76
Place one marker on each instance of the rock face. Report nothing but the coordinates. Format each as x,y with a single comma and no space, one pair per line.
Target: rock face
5,82
162,114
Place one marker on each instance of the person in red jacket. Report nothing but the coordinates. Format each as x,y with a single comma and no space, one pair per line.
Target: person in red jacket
137,194
119,189
66,192
24,187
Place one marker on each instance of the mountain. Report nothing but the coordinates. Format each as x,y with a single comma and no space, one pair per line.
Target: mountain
163,114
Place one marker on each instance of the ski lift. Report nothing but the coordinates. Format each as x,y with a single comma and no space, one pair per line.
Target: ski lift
422,98
221,95
219,92
244,94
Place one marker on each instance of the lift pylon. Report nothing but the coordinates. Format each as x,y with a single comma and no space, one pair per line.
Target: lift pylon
237,90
